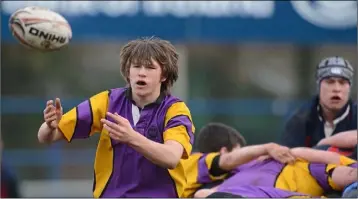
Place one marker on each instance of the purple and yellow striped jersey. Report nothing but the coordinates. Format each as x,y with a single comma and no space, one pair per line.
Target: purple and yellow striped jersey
197,170
267,178
120,171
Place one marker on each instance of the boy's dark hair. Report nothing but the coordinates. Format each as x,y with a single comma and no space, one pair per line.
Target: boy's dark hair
213,136
141,51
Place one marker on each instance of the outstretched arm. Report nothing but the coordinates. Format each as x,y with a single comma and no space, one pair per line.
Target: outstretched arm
317,156
178,137
166,155
229,161
346,139
80,122
206,168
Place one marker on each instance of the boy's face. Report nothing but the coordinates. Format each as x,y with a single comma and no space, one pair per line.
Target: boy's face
145,80
334,93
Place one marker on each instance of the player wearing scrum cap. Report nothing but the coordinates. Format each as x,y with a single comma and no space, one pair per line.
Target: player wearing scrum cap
330,112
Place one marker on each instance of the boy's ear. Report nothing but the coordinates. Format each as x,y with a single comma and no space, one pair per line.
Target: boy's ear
223,150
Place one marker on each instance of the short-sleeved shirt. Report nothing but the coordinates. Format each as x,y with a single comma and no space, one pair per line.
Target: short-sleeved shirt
197,170
120,171
268,178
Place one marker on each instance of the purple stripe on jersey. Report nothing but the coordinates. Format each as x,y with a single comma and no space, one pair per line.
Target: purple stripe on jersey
256,173
256,179
182,120
203,174
134,175
318,171
84,120
354,165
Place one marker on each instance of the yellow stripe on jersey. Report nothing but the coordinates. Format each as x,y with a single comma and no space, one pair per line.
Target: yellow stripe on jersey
178,175
99,104
67,124
103,164
344,161
192,166
296,177
180,135
178,132
178,108
84,120
285,179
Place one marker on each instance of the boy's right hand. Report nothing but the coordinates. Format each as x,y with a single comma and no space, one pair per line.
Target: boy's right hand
53,113
281,153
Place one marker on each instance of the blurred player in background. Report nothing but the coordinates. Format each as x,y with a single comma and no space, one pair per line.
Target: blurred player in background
213,137
207,168
9,184
269,177
145,131
330,112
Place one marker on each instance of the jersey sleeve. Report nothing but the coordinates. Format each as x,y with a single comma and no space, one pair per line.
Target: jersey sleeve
322,172
209,169
83,120
179,127
197,169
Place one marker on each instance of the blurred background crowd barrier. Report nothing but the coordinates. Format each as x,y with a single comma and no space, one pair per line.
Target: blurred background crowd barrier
244,63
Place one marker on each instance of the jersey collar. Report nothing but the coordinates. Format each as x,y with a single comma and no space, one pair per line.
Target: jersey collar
343,113
158,101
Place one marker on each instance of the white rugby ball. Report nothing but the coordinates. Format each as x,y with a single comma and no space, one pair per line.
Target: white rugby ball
40,28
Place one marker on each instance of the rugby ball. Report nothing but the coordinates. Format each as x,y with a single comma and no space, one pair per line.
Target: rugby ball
40,28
